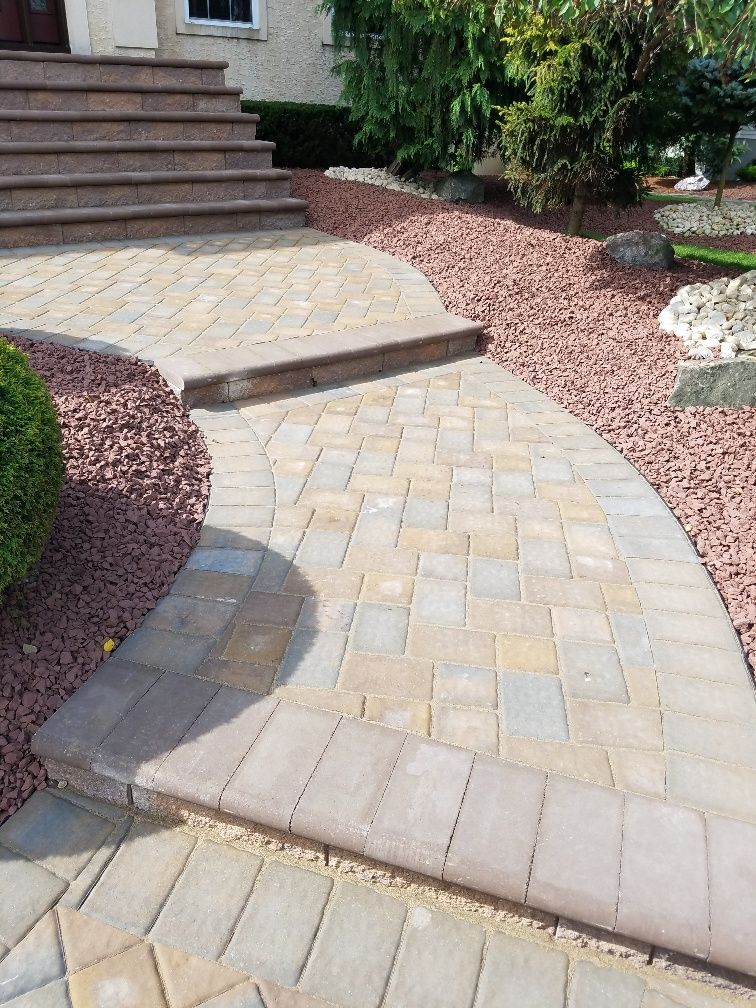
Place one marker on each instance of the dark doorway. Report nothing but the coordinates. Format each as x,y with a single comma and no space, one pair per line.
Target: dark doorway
33,24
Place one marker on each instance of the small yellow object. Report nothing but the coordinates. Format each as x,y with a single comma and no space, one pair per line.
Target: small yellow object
109,645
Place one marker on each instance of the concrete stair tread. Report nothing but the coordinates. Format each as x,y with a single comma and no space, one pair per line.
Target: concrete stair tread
74,215
53,57
141,178
107,146
116,88
106,115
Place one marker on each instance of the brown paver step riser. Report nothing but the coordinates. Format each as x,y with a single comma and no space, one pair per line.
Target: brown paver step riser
147,192
73,131
74,99
109,73
64,163
32,236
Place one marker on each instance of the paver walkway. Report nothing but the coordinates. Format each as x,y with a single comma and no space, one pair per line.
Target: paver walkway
443,552
242,926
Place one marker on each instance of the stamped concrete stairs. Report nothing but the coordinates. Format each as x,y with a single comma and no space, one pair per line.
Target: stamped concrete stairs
99,148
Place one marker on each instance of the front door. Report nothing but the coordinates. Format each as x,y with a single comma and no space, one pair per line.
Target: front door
33,24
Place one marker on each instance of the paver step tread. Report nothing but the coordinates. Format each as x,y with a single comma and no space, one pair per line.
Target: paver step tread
25,218
106,146
141,178
119,87
117,115
53,57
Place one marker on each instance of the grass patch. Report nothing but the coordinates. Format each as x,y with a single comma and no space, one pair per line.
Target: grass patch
727,258
657,197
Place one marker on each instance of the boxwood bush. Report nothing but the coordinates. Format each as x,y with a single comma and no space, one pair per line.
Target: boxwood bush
313,136
31,465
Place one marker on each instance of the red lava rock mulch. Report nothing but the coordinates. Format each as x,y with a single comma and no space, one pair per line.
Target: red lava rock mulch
131,509
564,317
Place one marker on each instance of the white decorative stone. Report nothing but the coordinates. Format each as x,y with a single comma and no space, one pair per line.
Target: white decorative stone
381,177
733,217
693,183
716,319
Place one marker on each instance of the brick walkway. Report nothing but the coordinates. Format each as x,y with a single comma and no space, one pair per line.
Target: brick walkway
244,925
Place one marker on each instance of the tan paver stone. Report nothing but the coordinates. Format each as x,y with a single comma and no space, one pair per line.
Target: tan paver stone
663,886
716,740
87,940
239,674
416,817
501,547
720,701
471,729
438,643
270,609
588,763
271,778
493,842
526,654
395,590
581,624
642,772
131,977
258,645
621,598
431,541
342,584
562,592
341,798
517,618
576,864
465,685
385,675
352,704
641,685
189,980
614,725
408,715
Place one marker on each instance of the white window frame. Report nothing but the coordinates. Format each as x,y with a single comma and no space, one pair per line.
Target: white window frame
216,23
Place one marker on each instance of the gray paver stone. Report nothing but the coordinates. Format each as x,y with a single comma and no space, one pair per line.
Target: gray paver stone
594,986
494,579
438,963
341,798
493,842
135,749
205,904
522,974
176,652
592,671
577,856
275,932
355,948
28,892
632,639
380,629
732,875
313,658
151,854
57,834
272,777
34,962
533,706
415,819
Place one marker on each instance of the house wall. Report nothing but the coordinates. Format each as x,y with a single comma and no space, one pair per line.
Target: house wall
288,59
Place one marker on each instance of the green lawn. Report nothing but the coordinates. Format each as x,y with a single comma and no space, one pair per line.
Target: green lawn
657,197
716,256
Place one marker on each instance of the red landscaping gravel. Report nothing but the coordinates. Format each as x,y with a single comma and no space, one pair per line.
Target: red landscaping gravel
563,316
136,489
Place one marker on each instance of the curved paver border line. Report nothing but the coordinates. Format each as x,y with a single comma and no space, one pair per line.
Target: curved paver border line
143,731
226,316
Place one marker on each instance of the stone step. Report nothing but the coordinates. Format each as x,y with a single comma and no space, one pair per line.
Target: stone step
36,67
77,95
227,375
134,155
27,228
48,192
187,748
34,126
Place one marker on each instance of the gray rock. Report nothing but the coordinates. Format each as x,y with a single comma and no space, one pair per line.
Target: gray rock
641,248
460,187
729,383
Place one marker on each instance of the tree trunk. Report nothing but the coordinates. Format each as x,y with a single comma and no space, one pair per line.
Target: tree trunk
725,166
577,210
688,161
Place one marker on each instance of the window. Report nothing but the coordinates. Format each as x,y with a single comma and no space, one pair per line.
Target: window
222,12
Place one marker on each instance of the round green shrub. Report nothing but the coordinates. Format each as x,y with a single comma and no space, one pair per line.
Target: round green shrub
31,465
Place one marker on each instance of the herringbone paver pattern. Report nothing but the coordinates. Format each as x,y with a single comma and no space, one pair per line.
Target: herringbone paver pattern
194,296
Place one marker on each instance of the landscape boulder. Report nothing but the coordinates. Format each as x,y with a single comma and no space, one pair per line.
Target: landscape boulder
641,248
460,187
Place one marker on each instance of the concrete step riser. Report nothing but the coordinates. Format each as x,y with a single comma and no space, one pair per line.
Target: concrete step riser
149,227
139,161
105,73
83,132
116,101
61,197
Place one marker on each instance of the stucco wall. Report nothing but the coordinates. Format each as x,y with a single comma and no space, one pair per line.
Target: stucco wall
291,64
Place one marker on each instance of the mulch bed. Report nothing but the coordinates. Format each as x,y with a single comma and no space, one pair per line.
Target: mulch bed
136,489
733,190
563,316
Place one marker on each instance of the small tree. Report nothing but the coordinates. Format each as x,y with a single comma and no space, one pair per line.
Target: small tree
421,76
718,100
